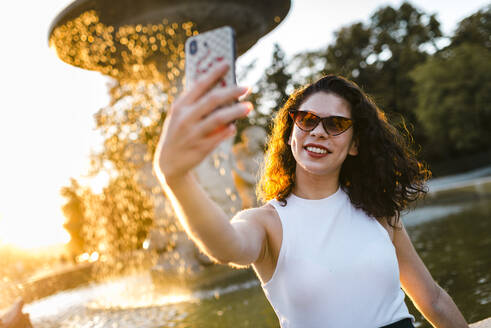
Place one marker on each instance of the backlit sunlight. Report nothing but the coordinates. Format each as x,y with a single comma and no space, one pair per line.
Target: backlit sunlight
31,226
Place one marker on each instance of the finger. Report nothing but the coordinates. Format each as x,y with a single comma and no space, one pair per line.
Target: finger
245,95
205,82
217,98
223,117
214,139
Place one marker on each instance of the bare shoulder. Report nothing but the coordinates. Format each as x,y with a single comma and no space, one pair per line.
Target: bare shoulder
265,214
260,229
269,220
266,217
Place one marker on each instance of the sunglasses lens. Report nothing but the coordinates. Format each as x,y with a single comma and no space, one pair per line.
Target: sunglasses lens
333,125
336,124
306,120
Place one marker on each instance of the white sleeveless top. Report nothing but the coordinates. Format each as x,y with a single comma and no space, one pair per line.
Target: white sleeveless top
337,267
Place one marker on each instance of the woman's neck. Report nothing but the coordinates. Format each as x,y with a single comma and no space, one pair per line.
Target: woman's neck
312,186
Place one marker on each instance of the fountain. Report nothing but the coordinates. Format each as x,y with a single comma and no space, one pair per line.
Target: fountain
116,40
140,44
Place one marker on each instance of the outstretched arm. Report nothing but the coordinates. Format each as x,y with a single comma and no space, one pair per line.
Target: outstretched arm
429,298
192,129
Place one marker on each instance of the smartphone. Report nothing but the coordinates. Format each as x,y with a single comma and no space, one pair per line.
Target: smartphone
206,50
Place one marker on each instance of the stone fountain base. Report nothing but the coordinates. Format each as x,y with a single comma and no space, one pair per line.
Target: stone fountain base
47,283
486,323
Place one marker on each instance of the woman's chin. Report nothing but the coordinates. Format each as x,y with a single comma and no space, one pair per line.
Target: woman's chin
316,169
317,166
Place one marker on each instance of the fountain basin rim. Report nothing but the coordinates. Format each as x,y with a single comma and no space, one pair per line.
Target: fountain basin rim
109,16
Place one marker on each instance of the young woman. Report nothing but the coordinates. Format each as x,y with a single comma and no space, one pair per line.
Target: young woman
328,246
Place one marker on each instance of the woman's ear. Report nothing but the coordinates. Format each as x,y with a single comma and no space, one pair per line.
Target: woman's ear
353,149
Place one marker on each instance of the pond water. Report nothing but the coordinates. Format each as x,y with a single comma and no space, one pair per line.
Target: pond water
456,249
455,246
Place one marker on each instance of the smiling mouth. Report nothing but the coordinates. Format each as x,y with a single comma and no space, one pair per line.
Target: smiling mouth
317,150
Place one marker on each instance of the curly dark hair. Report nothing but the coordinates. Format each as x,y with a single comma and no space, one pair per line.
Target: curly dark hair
381,180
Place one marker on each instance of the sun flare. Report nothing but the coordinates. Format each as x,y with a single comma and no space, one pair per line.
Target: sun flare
32,227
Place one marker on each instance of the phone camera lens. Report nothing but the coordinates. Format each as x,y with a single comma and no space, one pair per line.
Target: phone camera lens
193,47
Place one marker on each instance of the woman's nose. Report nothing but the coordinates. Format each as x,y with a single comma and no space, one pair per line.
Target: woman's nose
319,131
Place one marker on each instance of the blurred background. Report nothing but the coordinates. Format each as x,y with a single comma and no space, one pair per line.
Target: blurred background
76,203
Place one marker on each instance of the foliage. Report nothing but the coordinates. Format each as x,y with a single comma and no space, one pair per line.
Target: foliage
475,29
75,217
379,55
454,99
115,221
276,79
399,39
269,92
119,218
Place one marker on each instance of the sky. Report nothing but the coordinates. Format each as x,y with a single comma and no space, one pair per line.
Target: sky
46,118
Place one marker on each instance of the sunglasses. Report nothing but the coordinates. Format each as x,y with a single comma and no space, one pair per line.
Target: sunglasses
333,125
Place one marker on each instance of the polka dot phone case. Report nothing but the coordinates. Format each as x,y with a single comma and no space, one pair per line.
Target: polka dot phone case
206,50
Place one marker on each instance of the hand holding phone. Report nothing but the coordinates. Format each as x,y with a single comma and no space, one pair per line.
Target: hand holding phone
193,127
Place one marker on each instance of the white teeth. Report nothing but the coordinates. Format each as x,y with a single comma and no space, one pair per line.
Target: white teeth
316,150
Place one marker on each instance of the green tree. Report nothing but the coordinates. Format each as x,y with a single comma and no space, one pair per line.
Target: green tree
74,212
113,222
454,100
276,79
118,219
269,92
474,29
399,41
380,55
348,55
